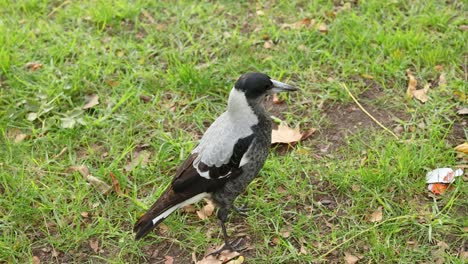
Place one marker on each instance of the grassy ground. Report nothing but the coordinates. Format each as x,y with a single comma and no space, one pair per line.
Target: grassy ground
312,203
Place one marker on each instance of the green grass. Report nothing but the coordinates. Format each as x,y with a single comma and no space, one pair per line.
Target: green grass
187,55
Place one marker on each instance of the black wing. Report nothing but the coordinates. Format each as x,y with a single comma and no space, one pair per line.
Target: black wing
187,175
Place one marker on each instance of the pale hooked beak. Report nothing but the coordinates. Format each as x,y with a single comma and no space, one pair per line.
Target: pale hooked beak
279,87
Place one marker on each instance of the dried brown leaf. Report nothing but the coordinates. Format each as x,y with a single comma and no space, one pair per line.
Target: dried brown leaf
148,16
115,184
308,133
33,66
463,27
226,256
285,134
303,250
462,148
91,101
189,209
140,157
101,186
463,111
276,99
350,259
411,92
82,169
306,22
36,260
169,260
412,83
94,245
16,135
377,215
322,28
207,210
442,80
268,44
145,98
84,214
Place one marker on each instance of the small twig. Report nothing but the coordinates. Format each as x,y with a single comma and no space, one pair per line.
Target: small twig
365,231
58,7
367,113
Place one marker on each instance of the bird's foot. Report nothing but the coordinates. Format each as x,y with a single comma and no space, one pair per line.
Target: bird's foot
235,245
241,210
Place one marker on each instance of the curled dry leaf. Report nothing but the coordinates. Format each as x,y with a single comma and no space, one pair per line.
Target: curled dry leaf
268,44
350,259
276,99
322,28
36,260
442,80
306,22
101,186
463,111
285,134
231,257
140,157
82,169
91,101
94,245
462,148
376,216
16,135
169,260
207,210
411,91
115,184
33,66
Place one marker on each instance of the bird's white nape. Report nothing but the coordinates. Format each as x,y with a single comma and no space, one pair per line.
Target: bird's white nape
239,108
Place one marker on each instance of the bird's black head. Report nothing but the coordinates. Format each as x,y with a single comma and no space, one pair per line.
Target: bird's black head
254,84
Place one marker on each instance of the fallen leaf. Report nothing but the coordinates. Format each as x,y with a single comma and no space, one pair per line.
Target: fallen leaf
148,16
442,80
94,244
140,157
377,215
323,28
92,100
36,260
82,169
306,22
115,184
274,241
355,188
411,92
189,209
33,66
145,98
308,133
163,229
268,44
16,135
113,83
462,148
55,253
84,214
285,134
260,13
101,186
350,259
169,260
412,83
463,111
303,250
276,99
463,27
226,256
207,210
31,116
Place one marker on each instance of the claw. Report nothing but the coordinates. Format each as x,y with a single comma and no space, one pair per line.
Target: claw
241,210
233,246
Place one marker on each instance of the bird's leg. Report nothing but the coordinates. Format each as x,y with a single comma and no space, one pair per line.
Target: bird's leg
234,245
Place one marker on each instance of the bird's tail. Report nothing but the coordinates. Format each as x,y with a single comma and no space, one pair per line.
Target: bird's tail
162,208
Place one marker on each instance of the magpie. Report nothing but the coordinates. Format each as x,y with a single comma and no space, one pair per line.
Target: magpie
228,157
